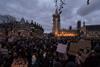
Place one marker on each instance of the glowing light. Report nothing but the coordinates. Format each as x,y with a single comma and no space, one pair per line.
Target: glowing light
66,34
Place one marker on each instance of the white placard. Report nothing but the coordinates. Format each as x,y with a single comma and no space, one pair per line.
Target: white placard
61,48
11,39
4,51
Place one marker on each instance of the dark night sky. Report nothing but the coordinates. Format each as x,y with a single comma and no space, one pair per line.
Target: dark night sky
42,10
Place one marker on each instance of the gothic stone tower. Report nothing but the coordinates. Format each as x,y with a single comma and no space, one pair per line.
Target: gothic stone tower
56,22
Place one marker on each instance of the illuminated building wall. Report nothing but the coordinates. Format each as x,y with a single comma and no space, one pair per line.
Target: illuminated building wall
57,31
56,23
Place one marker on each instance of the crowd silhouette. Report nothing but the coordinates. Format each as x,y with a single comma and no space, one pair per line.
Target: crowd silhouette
41,52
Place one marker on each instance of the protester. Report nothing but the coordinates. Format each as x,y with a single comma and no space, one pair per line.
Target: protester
93,59
44,52
33,60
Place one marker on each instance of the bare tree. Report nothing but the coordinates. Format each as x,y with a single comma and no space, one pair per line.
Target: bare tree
59,5
88,2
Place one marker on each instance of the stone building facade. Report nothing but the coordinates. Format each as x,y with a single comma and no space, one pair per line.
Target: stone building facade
91,31
21,28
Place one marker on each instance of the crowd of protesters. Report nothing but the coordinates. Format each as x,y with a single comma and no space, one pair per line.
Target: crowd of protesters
41,52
